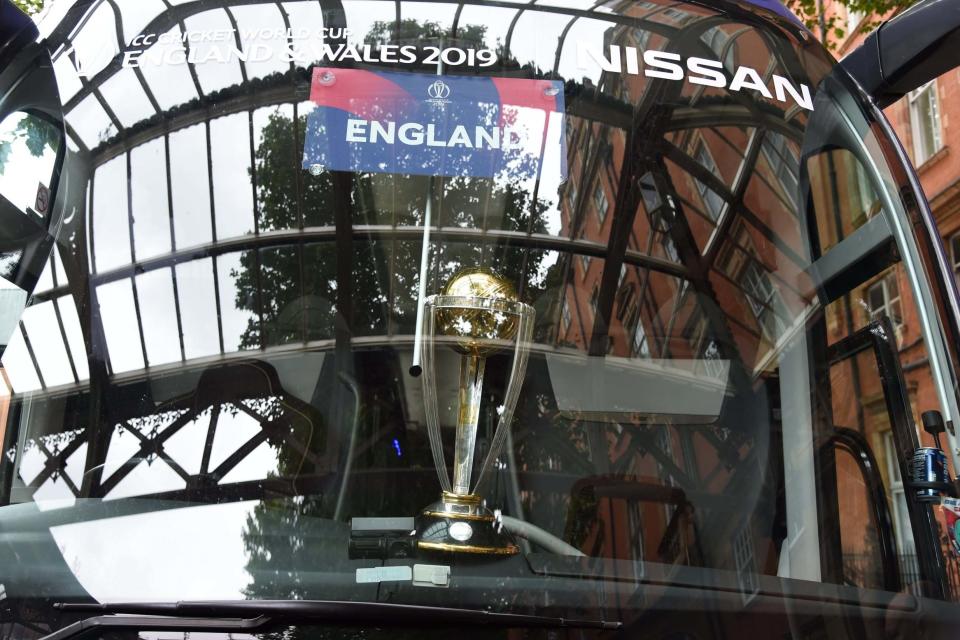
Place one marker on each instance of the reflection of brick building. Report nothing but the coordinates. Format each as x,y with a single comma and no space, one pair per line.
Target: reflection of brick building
737,188
921,121
683,218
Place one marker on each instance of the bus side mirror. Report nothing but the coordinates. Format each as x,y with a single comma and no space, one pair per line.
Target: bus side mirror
908,51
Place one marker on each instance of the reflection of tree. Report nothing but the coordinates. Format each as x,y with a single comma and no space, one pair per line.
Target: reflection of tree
273,537
285,309
38,136
829,25
414,31
547,442
292,303
30,6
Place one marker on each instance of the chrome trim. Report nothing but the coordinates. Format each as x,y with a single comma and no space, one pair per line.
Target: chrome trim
508,550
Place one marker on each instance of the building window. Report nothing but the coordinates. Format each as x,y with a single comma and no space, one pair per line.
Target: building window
648,189
901,517
626,305
585,261
745,562
925,122
883,299
678,16
606,152
640,38
572,197
955,255
669,249
637,523
670,252
909,567
626,292
712,202
713,364
594,299
640,346
573,133
868,202
708,357
763,298
717,39
665,444
565,312
630,317
854,18
784,161
600,203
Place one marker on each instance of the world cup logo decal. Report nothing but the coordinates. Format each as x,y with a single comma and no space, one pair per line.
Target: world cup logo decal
438,91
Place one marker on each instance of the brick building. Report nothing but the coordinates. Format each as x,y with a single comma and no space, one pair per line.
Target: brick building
922,121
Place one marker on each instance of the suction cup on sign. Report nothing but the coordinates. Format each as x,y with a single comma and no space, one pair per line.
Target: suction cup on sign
327,78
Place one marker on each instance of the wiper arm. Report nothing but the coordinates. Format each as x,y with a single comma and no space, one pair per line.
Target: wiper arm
250,616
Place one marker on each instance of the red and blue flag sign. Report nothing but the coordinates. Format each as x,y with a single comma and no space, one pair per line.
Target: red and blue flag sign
411,123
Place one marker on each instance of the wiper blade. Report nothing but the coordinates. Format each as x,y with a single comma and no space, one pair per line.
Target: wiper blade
153,623
250,616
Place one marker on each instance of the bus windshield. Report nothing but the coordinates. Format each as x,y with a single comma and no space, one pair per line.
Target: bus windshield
606,310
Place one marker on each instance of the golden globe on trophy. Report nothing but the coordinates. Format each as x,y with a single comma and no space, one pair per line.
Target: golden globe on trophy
478,314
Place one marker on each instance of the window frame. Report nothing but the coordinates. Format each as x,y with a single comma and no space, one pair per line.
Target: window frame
763,303
853,20
744,555
710,355
722,44
783,163
920,153
954,243
572,196
898,497
883,284
601,203
639,341
706,193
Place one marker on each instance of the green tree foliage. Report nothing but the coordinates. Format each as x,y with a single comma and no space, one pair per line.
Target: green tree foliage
36,135
834,26
29,6
415,32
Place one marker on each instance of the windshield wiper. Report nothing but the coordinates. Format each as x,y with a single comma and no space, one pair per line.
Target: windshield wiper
249,616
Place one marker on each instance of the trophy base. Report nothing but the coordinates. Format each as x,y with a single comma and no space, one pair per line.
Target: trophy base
461,524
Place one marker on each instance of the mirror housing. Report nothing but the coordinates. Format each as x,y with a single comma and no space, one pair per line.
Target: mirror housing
16,30
908,51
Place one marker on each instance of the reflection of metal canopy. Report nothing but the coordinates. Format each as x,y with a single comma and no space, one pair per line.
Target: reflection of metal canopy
250,388
645,126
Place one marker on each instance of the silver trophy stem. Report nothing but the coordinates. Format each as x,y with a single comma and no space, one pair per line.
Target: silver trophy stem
468,415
